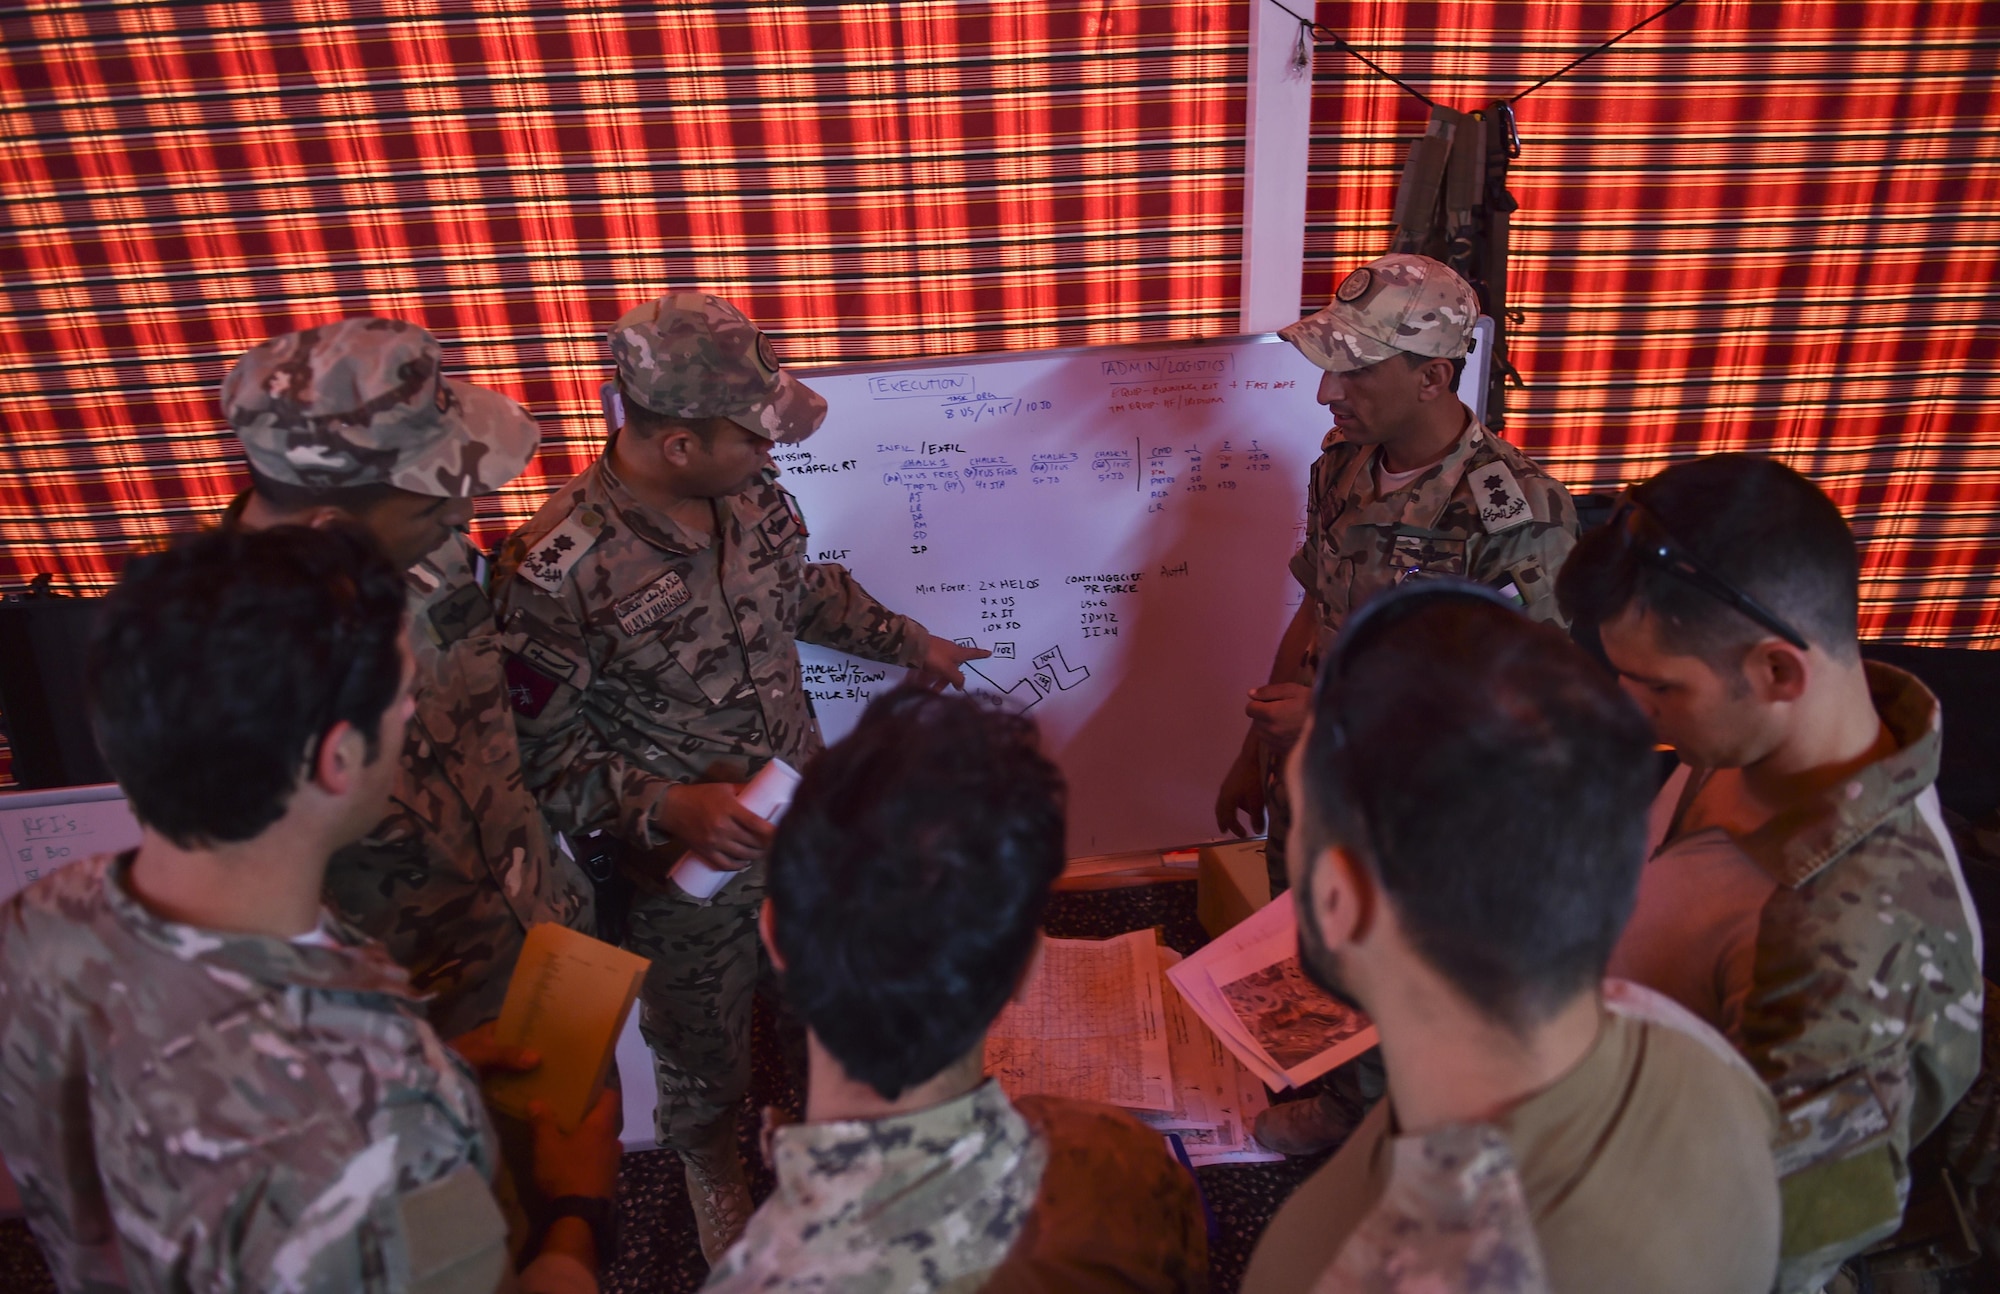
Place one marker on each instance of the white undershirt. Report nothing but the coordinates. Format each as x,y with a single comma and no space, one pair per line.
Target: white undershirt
1388,482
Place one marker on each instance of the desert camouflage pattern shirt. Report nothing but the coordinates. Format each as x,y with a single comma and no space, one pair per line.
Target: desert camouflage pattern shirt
1486,512
453,878
1864,1011
185,1109
649,657
1452,1219
975,1194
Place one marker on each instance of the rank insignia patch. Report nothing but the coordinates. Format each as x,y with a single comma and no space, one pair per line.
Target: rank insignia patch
1502,506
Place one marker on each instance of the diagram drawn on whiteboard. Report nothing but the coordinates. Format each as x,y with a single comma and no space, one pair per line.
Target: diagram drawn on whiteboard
1048,674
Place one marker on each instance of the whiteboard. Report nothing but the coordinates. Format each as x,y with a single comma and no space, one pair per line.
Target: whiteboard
42,830
1113,523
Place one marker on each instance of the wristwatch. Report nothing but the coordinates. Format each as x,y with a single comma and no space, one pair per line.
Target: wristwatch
595,1212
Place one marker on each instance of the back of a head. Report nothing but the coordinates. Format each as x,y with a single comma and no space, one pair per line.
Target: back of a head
908,881
220,660
1496,781
1752,521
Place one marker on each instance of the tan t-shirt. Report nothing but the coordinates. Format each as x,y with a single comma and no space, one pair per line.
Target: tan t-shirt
1647,1169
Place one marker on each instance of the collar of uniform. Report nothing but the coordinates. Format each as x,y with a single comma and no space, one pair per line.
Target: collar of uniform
648,523
1796,845
849,1168
1429,494
357,965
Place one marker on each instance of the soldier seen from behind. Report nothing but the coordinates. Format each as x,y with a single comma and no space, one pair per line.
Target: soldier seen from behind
907,886
1802,894
207,1081
658,599
1408,486
356,421
1469,790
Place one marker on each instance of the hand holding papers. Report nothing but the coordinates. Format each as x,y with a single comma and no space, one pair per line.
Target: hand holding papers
767,795
568,1000
1248,987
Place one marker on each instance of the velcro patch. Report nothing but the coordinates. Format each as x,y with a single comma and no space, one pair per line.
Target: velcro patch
455,616
548,563
1502,505
639,611
528,689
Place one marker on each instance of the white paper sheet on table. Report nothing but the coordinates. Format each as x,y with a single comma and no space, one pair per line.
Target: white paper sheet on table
1245,985
1091,1027
1217,1099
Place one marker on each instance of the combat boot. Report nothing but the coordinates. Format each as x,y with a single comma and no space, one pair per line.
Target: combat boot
717,1189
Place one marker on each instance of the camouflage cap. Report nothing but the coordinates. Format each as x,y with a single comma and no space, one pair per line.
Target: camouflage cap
365,402
693,355
1398,304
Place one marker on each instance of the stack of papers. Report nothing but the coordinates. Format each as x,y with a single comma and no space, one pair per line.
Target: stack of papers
1248,988
1100,1023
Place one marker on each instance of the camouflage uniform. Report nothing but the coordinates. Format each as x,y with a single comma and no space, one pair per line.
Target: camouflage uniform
453,878
648,659
191,1110
1452,1219
1864,1010
974,1194
1485,512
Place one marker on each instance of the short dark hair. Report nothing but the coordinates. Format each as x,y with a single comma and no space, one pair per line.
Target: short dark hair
647,423
908,880
1754,522
219,661
356,500
1496,783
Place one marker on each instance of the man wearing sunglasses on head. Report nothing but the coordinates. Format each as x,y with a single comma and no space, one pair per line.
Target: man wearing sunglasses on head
1801,893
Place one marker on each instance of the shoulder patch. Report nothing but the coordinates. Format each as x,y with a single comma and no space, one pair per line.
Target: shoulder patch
1502,505
548,563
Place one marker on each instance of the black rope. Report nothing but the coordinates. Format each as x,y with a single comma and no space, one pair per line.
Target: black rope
1340,43
1585,57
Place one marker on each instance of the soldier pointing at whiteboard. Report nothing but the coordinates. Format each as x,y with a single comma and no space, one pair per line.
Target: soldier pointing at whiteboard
1408,485
658,598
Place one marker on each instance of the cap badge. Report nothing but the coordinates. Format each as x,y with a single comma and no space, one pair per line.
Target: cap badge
765,355
1354,286
443,395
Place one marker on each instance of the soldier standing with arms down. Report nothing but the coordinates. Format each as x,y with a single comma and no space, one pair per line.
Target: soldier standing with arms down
355,421
659,597
1408,485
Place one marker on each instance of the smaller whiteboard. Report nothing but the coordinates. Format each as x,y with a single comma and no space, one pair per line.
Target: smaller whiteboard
42,830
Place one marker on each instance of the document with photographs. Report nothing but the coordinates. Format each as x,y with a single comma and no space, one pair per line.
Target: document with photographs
1248,988
1216,1100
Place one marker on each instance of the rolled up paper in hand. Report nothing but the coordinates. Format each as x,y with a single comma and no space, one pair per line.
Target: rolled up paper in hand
767,795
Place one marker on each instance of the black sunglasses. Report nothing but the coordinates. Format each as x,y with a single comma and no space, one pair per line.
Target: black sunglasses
1647,539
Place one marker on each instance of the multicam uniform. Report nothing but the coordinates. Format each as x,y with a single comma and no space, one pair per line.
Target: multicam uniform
974,1194
1485,512
650,657
1453,1219
1862,1009
192,1110
462,868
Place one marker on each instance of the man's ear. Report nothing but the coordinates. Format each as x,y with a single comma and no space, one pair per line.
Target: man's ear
677,445
764,932
1434,380
1777,670
1032,969
338,759
320,516
1344,895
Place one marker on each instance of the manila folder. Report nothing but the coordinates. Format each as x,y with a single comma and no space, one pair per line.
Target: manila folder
568,1000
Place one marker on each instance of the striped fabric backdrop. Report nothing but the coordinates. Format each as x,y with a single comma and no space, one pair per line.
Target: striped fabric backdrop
1753,226
179,181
